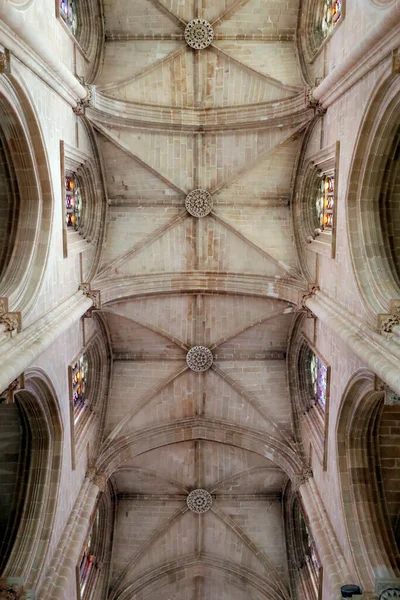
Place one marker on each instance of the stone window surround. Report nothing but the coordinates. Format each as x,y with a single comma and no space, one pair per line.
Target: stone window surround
315,418
72,159
80,430
326,162
69,32
314,51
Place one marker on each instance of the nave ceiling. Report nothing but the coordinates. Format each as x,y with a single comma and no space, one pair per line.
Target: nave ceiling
228,119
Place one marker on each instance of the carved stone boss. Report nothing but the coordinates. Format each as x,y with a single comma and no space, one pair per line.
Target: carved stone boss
199,203
199,34
199,359
199,501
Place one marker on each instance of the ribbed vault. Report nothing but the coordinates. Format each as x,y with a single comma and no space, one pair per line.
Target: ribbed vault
229,120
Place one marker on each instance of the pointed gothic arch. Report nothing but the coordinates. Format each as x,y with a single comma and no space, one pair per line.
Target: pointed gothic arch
36,511
28,197
370,537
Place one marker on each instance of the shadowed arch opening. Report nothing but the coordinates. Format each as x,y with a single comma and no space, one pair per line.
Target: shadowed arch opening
25,198
35,512
370,536
373,200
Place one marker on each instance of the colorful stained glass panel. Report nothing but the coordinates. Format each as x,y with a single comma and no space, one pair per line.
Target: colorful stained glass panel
73,202
319,379
68,13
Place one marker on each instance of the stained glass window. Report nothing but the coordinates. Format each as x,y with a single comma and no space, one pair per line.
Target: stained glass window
330,15
319,379
88,556
79,379
68,13
73,202
325,202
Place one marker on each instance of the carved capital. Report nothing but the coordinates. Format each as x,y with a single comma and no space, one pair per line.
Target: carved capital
10,591
81,106
5,63
94,295
312,102
91,473
97,478
395,62
389,593
11,321
7,397
390,397
388,321
304,296
101,481
301,478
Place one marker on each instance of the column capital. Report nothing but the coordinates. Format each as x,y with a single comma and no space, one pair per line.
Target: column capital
301,478
5,61
10,591
93,295
313,288
395,62
312,102
7,397
97,478
82,105
386,322
11,321
390,397
389,593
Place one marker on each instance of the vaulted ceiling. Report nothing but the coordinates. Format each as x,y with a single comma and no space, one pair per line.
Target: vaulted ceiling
228,119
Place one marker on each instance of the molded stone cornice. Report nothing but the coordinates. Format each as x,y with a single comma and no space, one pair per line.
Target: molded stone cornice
264,286
287,112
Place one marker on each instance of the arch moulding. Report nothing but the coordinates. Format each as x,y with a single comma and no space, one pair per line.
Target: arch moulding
370,540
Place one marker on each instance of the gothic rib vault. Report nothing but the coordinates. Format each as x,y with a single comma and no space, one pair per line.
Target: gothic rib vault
227,120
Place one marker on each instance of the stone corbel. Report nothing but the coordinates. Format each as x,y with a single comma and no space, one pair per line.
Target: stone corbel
5,62
11,321
312,102
386,322
80,108
303,297
301,478
390,398
7,397
94,295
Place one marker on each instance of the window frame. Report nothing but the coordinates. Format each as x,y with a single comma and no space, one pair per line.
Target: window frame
315,417
68,31
326,163
71,160
80,428
314,49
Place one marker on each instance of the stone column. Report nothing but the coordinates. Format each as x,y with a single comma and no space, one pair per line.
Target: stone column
334,564
19,352
62,571
376,45
381,355
23,41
